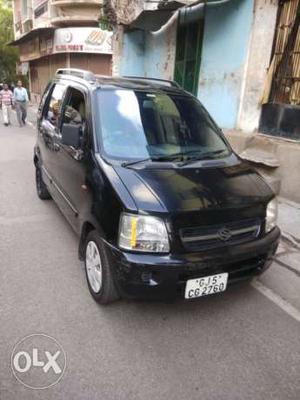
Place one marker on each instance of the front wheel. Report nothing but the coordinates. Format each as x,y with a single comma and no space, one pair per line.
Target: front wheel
41,187
98,270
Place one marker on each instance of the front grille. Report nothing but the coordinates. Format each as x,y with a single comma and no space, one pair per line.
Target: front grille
214,236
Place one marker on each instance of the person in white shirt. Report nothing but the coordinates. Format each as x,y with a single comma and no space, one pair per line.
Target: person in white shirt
6,101
20,100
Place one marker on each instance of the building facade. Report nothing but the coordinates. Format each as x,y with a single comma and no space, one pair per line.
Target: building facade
56,34
226,52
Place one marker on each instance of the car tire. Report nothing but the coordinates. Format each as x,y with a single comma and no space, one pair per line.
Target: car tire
41,187
98,270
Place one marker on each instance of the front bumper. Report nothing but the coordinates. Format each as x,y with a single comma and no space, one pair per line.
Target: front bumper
163,277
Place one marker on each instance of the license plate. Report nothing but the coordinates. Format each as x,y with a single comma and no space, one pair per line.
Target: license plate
206,285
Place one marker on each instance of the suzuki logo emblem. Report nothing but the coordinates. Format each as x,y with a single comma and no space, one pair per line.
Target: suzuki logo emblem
224,234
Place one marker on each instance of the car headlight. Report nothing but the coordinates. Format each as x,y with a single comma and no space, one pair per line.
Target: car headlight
143,233
271,215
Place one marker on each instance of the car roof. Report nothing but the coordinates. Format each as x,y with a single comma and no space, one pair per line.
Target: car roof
123,82
135,83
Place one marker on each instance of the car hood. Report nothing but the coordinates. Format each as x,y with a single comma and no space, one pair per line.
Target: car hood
182,189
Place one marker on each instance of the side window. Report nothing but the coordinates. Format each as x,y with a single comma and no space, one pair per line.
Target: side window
74,108
44,97
52,110
74,111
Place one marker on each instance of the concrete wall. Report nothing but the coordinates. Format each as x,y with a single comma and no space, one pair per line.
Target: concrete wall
148,54
160,49
126,10
258,62
224,54
132,58
226,41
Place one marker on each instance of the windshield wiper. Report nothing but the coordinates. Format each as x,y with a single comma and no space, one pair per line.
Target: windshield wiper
202,156
128,163
153,158
171,157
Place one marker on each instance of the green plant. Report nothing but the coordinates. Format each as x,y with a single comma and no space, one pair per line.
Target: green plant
9,55
109,17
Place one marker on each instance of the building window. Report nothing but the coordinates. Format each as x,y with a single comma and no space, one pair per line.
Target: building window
286,58
280,114
24,9
40,10
188,55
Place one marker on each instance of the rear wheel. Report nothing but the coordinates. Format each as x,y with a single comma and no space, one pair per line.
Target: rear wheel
41,187
98,270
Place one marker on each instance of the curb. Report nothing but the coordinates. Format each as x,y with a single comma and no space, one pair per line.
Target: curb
290,239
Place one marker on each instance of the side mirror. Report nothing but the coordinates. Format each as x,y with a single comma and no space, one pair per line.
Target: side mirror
71,135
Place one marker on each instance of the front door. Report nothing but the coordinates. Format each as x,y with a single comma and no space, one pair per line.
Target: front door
73,164
188,55
48,128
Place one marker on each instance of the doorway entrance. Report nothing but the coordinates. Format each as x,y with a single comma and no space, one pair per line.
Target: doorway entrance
188,55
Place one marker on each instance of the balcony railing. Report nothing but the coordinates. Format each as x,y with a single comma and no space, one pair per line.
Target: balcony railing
27,25
75,20
72,12
76,3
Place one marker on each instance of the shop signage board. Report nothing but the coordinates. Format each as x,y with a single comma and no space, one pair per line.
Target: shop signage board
82,40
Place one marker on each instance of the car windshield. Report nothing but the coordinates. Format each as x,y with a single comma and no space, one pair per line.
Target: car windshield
138,125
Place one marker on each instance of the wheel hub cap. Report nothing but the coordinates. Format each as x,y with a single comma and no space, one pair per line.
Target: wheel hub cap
93,266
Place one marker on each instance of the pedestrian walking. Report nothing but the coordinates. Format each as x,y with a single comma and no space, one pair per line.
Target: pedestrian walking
20,100
6,100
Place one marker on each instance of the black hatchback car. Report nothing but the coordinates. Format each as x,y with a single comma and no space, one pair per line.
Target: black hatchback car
162,205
